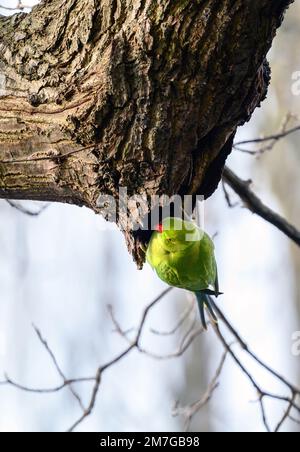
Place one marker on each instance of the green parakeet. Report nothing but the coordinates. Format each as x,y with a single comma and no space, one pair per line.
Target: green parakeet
183,256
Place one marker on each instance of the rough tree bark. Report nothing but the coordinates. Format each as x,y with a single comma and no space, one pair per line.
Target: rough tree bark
97,94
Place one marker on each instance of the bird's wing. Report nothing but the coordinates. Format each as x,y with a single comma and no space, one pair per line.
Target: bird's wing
168,274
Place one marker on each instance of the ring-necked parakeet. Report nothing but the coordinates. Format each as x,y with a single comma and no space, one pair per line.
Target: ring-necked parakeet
182,255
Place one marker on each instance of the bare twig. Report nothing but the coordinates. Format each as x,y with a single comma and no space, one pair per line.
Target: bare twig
57,367
262,394
179,323
133,345
25,211
272,140
180,350
20,6
230,204
293,419
96,380
9,382
188,337
245,347
295,391
253,203
92,403
264,414
192,333
118,329
286,414
188,412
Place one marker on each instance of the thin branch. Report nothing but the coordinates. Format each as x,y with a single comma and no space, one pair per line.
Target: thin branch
92,403
227,347
264,414
133,345
245,347
296,421
181,349
57,367
188,412
25,211
192,333
186,313
189,336
253,203
97,379
20,6
230,204
261,393
286,414
9,382
145,314
188,339
272,140
118,329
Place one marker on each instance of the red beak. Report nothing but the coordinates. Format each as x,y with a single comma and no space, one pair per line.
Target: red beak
159,228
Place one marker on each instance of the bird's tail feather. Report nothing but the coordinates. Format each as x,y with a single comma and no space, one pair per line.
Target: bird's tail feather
214,293
204,301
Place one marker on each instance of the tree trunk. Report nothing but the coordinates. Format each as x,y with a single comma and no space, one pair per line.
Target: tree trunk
97,94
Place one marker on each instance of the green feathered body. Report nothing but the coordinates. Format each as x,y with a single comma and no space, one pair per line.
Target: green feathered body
185,257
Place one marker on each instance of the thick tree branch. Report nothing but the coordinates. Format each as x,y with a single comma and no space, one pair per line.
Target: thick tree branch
155,90
253,203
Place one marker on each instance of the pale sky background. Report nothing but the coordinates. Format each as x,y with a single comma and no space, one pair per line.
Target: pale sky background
60,270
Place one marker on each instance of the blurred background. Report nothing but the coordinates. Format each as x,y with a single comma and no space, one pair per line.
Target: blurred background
60,270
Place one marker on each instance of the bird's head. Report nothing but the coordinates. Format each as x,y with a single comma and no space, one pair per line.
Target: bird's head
177,235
